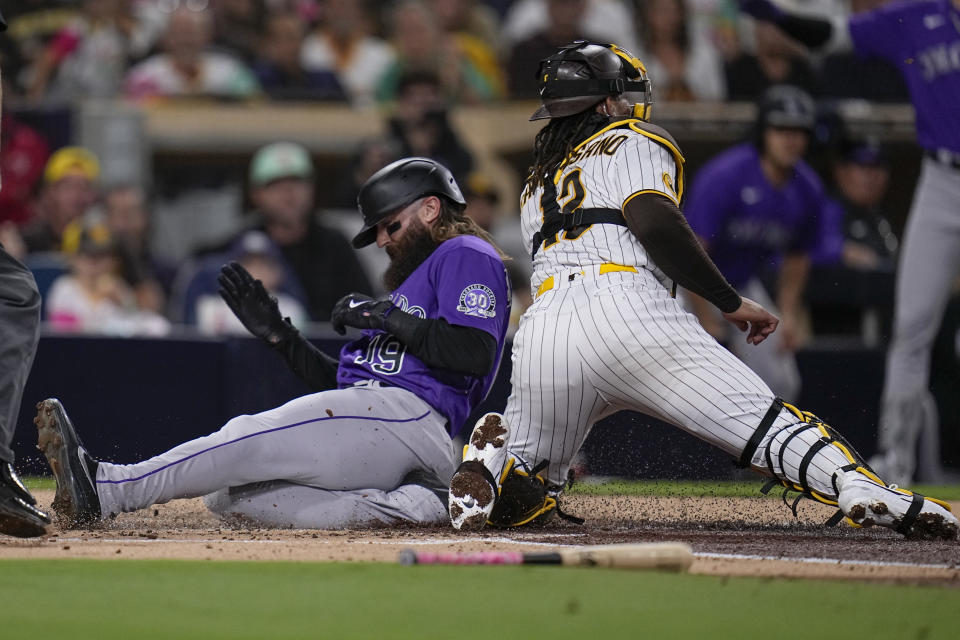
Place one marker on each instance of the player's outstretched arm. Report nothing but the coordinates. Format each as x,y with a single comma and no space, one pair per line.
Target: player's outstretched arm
259,313
754,319
811,31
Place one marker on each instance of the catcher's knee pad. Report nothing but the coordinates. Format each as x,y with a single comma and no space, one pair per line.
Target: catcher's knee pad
811,436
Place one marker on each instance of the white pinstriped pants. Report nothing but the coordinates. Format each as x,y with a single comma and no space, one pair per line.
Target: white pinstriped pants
597,344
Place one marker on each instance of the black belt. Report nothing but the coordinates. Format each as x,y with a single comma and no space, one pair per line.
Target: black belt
944,157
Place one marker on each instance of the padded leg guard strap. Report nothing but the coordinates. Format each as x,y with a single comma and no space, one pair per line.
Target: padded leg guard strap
804,456
747,455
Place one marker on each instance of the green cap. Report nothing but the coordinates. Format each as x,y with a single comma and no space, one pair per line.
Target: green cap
280,160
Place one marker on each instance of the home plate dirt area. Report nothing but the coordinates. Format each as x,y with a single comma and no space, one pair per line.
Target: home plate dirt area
729,536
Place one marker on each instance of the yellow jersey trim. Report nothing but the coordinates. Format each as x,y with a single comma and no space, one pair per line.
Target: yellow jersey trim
643,191
677,156
613,125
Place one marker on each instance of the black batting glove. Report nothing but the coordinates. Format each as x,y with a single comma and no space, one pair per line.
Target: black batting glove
250,302
359,311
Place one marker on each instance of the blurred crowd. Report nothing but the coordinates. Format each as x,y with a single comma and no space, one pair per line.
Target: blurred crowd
92,244
357,51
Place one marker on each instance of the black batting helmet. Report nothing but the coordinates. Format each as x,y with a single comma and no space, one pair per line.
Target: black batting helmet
397,185
582,74
787,107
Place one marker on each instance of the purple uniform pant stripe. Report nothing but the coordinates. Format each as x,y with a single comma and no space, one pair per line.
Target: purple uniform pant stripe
260,433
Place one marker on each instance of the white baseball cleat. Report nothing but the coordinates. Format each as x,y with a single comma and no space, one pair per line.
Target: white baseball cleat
868,503
476,483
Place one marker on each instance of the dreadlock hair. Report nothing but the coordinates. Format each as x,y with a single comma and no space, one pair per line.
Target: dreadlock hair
454,222
556,140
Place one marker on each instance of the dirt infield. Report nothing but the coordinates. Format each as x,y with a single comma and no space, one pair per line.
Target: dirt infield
730,536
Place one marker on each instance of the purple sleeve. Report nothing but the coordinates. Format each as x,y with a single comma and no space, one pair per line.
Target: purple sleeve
472,291
706,206
829,249
879,33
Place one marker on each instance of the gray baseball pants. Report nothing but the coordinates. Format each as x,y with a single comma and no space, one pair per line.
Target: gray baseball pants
19,333
929,262
335,459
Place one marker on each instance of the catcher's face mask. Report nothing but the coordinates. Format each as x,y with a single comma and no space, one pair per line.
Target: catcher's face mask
642,100
581,74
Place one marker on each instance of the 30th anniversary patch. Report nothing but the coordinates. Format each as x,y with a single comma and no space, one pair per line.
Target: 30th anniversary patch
479,301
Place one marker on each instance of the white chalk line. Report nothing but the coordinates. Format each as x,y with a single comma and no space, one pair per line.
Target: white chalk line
434,541
833,561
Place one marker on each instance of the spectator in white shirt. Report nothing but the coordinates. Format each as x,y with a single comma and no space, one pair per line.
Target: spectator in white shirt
188,66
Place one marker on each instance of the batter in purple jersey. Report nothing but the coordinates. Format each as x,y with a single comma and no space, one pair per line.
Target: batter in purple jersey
373,444
757,209
922,38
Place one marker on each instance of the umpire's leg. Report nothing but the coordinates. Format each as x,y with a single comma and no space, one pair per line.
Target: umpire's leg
19,332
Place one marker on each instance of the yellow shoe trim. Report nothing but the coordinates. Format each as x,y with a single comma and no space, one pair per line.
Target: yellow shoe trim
943,504
905,492
548,504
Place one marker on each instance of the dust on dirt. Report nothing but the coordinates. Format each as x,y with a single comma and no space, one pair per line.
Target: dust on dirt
730,536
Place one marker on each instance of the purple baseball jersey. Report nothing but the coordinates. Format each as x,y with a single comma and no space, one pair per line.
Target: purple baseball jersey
921,37
748,223
464,282
829,249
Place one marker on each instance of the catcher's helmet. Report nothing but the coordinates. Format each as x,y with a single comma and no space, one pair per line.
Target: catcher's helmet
397,185
787,107
582,74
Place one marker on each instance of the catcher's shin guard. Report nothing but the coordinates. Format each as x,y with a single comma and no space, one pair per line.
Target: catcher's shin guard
802,453
806,455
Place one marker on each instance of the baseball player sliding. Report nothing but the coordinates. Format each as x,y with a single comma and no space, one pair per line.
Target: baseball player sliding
922,38
601,214
373,444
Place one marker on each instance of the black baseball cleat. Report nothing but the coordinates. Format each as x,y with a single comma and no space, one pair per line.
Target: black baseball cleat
18,515
76,503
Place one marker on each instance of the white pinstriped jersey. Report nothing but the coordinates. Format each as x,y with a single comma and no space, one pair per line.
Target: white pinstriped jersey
620,161
593,344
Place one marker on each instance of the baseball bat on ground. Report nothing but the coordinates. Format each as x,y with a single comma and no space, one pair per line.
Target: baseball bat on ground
669,556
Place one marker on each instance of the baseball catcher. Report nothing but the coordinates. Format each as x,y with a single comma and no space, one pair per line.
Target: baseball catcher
601,216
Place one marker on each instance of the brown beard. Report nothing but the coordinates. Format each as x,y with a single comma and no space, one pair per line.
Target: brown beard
416,246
